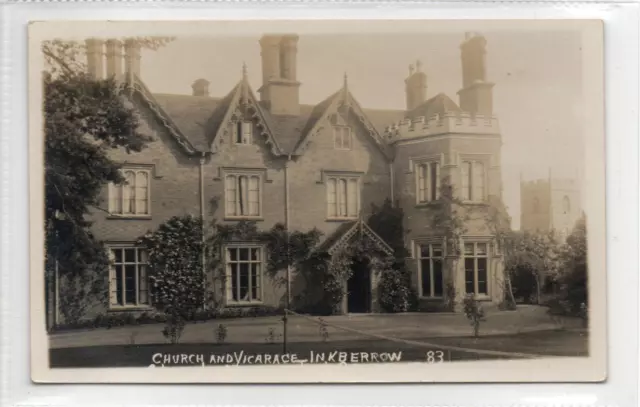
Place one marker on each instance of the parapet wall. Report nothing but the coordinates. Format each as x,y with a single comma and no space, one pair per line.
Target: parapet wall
464,123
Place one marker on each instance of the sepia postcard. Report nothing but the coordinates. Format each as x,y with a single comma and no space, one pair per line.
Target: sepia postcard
317,201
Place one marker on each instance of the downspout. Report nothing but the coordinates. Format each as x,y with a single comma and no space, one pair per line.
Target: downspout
286,225
391,182
203,255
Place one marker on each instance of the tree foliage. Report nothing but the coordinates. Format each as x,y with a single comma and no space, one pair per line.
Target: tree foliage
530,257
394,285
449,217
572,276
83,119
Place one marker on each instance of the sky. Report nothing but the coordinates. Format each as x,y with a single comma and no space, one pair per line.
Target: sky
537,75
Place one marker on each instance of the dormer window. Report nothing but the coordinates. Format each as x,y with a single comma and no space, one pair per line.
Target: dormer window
243,132
342,137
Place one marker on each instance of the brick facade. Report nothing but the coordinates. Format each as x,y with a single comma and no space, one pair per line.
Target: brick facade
293,149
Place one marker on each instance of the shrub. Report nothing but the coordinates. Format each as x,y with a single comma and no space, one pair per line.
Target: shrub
174,328
394,291
474,313
175,270
221,333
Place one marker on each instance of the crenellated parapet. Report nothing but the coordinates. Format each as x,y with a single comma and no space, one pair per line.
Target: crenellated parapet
460,123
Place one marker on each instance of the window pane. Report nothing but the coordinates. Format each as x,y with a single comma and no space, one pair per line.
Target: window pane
246,132
233,254
347,138
243,194
466,182
469,276
468,249
352,199
116,198
118,285
478,182
331,198
244,254
437,278
337,137
230,192
425,268
117,255
129,192
342,197
143,298
422,182
255,281
142,191
130,255
482,276
424,251
433,181
130,284
234,281
254,196
437,250
244,281
254,254
238,132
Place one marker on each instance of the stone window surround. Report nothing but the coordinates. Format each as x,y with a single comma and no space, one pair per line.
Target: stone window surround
153,172
359,175
263,262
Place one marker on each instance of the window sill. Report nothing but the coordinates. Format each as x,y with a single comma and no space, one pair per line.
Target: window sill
238,218
243,303
134,217
475,203
482,298
130,308
427,204
422,298
342,219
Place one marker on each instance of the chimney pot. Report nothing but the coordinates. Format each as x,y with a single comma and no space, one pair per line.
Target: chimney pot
95,55
200,87
114,58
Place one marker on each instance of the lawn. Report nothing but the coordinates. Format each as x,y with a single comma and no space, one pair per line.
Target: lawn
551,343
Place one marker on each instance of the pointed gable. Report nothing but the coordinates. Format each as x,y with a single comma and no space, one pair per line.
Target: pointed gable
343,99
345,234
241,102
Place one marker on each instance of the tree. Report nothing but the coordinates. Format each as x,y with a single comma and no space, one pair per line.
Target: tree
83,119
573,268
530,257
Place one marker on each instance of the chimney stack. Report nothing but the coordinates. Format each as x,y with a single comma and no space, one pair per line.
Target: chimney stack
200,87
416,86
280,88
95,55
476,95
132,58
114,59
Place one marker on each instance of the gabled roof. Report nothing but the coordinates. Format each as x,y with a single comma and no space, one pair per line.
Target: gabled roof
191,115
165,119
197,122
347,231
341,99
241,97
